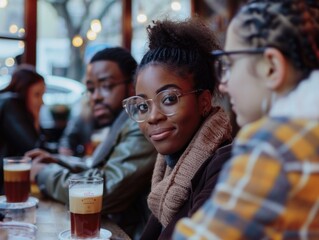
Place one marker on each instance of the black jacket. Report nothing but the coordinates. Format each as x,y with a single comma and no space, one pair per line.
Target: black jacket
17,132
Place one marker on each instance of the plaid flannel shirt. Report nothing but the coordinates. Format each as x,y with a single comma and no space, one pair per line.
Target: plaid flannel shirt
269,189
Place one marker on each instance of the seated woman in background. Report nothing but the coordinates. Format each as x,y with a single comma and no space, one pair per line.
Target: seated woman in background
269,188
20,104
175,87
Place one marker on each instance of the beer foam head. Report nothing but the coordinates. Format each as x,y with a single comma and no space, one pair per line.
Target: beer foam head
17,167
86,191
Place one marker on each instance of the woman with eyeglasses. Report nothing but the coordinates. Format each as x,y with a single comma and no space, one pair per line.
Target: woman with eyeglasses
269,188
175,88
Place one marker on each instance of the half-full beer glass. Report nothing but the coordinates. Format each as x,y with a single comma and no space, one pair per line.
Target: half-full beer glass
85,196
17,178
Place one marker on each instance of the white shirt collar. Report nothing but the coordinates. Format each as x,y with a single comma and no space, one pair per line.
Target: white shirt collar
302,102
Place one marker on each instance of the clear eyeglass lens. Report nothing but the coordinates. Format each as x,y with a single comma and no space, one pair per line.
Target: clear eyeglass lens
166,102
137,107
222,67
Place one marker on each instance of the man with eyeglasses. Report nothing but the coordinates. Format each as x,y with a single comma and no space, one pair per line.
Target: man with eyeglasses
105,84
125,159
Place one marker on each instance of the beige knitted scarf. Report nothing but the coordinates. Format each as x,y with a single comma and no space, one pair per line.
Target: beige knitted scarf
171,187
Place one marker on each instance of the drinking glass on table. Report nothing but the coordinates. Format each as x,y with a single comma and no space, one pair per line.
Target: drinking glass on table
17,178
85,197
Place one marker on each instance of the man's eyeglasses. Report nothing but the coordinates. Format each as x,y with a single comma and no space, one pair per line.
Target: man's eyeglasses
105,87
223,62
139,108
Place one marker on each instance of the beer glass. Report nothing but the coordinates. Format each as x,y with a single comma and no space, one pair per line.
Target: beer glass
17,178
85,199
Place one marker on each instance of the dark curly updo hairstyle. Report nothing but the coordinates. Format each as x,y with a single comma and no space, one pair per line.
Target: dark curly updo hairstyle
291,26
184,48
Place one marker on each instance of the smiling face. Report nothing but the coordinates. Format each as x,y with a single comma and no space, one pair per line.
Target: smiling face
35,98
107,88
168,134
246,87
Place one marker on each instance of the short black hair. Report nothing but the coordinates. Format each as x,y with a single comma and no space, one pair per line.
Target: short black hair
121,56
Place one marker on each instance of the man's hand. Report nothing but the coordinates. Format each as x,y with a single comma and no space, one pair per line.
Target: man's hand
39,160
40,156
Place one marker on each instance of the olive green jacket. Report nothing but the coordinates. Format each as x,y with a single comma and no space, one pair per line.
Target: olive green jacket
125,160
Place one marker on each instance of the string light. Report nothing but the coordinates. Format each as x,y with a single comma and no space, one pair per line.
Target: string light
21,32
13,28
141,16
3,3
91,35
9,62
77,41
176,5
96,26
21,44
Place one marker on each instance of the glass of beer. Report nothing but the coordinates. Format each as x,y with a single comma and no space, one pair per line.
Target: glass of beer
17,178
85,199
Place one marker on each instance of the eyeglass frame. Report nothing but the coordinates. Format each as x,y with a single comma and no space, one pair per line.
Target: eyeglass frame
218,53
176,91
109,87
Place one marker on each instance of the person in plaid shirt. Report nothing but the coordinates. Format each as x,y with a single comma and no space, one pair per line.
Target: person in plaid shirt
269,188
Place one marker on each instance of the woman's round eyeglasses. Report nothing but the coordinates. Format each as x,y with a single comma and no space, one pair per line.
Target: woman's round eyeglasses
139,108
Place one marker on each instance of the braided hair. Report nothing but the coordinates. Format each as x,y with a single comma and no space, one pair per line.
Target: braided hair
291,26
184,48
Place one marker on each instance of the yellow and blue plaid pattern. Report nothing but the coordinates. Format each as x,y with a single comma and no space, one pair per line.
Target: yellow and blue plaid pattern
268,190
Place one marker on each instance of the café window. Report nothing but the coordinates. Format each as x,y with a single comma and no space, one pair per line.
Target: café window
70,32
12,34
144,12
